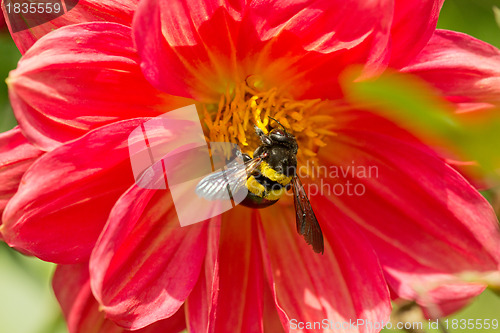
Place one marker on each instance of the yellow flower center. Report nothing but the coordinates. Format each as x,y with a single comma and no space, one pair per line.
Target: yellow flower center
244,106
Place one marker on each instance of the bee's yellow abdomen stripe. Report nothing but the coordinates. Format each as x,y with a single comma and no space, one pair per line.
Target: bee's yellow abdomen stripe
274,194
255,187
268,172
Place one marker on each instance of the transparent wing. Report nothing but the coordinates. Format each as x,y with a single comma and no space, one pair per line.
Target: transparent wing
215,186
307,224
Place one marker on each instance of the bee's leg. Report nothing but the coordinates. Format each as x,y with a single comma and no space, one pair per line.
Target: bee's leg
258,131
263,138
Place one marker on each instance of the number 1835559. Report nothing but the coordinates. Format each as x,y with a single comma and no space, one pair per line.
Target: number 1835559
33,8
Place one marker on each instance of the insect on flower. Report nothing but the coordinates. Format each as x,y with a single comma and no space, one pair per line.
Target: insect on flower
266,177
82,89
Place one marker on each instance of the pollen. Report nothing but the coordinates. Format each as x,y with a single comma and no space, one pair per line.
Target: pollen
254,186
245,106
273,175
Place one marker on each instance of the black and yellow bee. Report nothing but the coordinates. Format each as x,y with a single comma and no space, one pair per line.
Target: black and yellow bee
267,176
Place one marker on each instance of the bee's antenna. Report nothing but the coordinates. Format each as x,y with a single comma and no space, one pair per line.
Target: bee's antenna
278,123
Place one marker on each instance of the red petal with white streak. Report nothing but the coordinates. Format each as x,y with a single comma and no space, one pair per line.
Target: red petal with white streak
345,284
425,221
16,156
199,49
413,25
145,264
202,302
72,288
118,11
465,70
78,78
66,196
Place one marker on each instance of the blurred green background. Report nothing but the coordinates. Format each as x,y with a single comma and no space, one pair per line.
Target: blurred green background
27,304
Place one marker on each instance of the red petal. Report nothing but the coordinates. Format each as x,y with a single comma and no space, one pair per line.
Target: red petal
413,25
346,283
273,315
145,265
79,78
232,293
120,11
72,288
240,302
66,196
174,57
305,46
448,299
426,222
202,301
197,49
464,69
16,156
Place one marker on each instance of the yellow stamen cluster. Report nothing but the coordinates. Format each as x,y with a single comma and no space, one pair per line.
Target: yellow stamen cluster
244,106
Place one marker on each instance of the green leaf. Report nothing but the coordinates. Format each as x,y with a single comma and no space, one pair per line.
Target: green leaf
496,12
27,301
9,56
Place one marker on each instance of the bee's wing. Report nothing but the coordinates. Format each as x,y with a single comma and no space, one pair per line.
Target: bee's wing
215,186
307,224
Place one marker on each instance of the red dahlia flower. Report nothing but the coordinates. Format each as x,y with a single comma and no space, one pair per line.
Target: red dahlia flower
79,92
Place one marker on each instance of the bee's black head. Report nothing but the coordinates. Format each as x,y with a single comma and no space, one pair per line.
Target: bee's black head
277,137
281,136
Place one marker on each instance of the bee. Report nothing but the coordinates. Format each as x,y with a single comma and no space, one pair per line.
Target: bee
266,177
